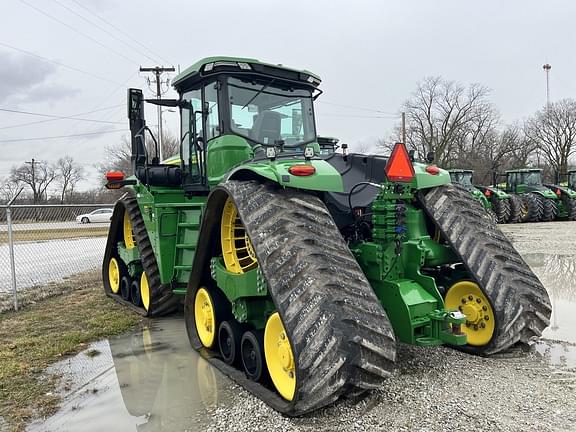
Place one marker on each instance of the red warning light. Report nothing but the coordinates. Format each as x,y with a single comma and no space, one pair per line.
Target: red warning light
114,176
488,193
302,170
399,167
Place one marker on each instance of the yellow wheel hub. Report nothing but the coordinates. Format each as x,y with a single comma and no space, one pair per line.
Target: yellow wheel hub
205,317
468,298
114,275
144,291
279,357
127,231
237,251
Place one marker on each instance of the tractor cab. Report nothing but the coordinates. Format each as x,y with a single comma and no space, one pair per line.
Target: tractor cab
572,180
524,180
231,110
462,177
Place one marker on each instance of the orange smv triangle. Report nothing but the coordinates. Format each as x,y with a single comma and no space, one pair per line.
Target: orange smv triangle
399,167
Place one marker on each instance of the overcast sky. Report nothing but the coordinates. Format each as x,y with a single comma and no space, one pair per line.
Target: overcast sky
370,55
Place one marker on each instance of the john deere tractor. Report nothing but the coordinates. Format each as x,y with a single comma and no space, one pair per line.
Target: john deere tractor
494,200
566,196
541,203
300,271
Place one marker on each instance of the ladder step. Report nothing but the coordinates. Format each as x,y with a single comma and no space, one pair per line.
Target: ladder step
183,267
185,246
188,224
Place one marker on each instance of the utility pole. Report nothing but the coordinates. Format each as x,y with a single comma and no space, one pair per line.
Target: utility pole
33,167
404,128
547,68
158,71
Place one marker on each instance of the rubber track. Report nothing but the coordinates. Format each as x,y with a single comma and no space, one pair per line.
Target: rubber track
516,205
570,204
535,207
502,209
341,337
518,298
549,209
162,300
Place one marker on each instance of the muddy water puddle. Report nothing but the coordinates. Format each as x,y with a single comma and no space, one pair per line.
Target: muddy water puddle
150,380
558,274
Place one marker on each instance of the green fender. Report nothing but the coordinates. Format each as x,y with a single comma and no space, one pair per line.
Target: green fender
325,178
546,193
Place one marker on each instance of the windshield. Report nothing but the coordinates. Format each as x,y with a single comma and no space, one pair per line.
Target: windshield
532,178
572,180
268,114
462,178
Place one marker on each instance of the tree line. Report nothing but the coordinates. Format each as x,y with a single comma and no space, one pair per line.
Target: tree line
463,129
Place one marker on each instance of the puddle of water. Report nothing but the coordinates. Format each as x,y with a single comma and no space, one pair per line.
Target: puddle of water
150,380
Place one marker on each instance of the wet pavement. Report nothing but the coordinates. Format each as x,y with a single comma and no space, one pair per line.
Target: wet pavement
151,380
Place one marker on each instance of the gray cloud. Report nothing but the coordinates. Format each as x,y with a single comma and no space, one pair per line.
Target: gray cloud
25,79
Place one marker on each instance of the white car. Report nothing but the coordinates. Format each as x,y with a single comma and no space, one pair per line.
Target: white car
100,215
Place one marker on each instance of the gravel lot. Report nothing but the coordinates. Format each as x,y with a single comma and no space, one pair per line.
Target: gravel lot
433,389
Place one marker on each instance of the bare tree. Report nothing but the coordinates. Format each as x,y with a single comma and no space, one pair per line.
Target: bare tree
444,116
69,174
118,155
9,189
553,130
38,176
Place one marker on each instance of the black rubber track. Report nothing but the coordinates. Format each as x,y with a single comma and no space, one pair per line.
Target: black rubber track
535,207
502,209
342,340
570,204
518,209
549,209
519,300
162,300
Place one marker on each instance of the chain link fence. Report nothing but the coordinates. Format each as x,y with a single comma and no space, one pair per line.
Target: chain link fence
43,245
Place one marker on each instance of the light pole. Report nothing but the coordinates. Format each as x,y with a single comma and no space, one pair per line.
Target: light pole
547,68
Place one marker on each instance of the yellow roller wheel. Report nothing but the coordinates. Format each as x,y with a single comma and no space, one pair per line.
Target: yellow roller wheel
127,231
237,251
467,297
205,317
114,275
279,357
144,291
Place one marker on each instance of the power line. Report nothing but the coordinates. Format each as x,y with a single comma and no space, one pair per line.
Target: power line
72,117
79,32
62,136
104,30
56,117
59,63
120,31
359,108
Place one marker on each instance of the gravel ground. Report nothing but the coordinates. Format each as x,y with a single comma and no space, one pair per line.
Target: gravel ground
436,389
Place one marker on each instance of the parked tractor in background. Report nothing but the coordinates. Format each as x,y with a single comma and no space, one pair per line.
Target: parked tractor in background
494,200
541,203
301,270
572,180
566,196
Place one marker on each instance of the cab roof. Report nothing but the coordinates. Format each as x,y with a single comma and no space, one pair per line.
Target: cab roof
242,65
524,170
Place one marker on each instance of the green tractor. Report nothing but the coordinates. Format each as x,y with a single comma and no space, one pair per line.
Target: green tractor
300,271
541,203
566,196
495,201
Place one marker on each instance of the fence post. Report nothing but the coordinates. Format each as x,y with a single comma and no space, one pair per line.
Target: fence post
11,249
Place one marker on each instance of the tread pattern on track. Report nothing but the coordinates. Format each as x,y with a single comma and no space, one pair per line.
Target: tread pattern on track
162,300
342,339
519,300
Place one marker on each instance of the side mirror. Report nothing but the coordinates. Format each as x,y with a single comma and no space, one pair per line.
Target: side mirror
135,104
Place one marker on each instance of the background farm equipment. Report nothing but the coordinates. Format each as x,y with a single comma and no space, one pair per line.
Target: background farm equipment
301,268
542,204
494,200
